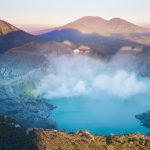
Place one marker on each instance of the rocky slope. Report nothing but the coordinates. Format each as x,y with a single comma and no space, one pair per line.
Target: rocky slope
20,70
14,137
6,28
11,36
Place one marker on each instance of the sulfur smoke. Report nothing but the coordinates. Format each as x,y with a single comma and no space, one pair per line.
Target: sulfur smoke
80,75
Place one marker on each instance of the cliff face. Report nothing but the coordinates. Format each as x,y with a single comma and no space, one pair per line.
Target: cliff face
13,136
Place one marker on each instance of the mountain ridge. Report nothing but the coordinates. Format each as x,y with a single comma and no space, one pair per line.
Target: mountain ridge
6,28
11,36
96,24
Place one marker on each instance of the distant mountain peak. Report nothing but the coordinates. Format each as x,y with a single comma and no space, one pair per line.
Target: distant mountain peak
92,18
6,28
95,24
86,24
117,19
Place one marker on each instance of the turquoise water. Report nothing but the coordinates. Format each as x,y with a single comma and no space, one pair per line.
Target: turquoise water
104,115
91,94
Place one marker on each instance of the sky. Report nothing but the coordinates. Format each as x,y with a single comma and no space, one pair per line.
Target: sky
59,12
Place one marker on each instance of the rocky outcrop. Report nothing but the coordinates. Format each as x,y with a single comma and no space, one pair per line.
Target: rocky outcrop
52,140
14,137
144,119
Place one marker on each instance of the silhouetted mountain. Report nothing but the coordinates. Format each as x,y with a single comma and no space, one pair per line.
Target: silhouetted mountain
97,44
11,36
43,48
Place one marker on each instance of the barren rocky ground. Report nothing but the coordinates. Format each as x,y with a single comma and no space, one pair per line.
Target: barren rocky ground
14,137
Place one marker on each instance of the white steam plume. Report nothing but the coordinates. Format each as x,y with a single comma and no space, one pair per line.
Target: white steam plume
82,75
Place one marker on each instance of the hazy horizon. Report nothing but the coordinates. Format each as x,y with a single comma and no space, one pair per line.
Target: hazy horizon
144,24
54,13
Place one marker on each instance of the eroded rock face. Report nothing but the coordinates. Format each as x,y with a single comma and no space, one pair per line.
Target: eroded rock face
13,136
